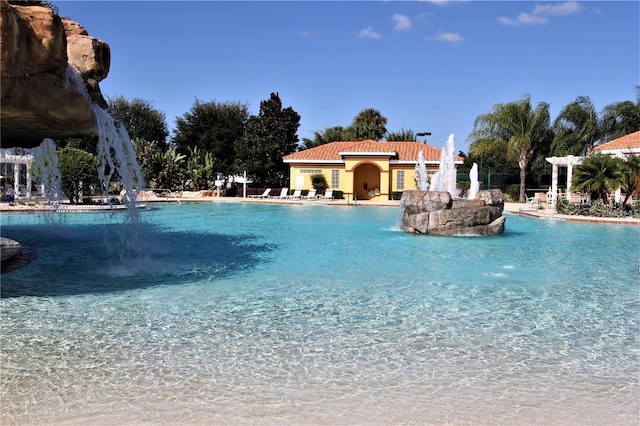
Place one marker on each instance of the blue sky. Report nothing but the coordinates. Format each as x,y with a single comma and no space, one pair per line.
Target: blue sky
425,65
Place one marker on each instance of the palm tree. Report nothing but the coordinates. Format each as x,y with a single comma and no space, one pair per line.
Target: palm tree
368,124
598,174
330,134
401,136
630,176
621,118
577,129
514,128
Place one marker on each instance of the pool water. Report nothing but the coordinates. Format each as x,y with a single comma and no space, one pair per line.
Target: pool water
239,313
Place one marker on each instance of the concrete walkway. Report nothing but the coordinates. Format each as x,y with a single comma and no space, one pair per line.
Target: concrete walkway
550,213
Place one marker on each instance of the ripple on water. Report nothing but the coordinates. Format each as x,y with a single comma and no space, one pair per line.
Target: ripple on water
274,314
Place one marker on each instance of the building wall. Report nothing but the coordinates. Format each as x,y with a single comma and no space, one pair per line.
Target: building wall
376,172
307,170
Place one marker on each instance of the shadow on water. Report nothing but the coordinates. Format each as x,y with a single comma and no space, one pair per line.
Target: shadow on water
26,255
94,259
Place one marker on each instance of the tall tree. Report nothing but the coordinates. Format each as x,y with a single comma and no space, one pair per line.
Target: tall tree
269,136
515,128
368,124
621,118
578,129
141,119
212,127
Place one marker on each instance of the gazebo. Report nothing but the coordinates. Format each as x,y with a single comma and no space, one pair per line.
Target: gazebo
569,162
620,147
17,160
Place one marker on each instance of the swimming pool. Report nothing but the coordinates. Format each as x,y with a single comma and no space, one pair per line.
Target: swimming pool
252,313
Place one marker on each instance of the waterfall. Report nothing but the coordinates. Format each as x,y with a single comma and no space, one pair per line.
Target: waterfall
46,171
116,155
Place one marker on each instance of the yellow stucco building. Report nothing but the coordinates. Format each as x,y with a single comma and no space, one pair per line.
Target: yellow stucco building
363,170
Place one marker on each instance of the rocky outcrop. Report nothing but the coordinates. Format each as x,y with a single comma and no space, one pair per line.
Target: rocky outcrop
36,48
436,213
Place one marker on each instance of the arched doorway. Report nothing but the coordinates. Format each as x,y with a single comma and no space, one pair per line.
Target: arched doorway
366,181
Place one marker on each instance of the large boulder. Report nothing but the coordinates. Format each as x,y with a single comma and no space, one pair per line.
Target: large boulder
436,213
36,48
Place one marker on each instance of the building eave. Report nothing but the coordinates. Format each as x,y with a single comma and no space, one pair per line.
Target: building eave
367,154
297,161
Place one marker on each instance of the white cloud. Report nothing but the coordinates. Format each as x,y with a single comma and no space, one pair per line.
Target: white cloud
369,33
540,14
308,34
558,9
437,2
401,22
426,18
445,37
523,19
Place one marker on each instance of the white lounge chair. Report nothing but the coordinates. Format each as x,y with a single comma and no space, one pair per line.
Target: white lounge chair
311,195
265,194
284,192
328,194
296,194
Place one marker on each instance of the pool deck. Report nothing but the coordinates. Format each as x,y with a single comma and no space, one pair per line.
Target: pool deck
509,207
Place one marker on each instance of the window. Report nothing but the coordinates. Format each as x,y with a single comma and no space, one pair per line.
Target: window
310,171
335,178
400,180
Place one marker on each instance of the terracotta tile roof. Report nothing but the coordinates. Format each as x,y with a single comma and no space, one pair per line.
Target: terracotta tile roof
405,151
625,142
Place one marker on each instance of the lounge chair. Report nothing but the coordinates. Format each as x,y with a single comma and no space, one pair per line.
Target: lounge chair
311,195
296,194
328,194
531,203
284,192
265,194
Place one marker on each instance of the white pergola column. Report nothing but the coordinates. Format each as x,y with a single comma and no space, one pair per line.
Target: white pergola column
554,184
29,182
569,176
16,179
568,162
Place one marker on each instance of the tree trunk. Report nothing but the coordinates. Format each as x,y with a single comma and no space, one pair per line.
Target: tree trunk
522,163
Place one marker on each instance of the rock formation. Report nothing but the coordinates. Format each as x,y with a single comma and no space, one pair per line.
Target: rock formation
36,48
437,213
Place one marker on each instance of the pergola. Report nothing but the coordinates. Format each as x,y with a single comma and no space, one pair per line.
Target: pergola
17,160
569,162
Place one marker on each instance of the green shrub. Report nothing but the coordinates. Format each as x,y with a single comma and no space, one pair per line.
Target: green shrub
512,192
319,182
396,195
78,172
338,195
563,206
